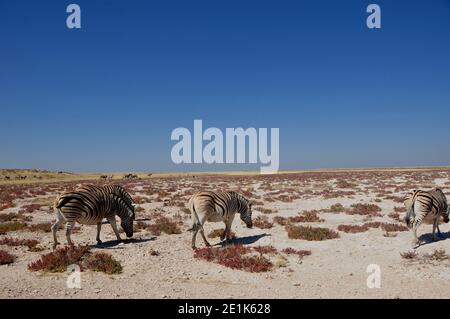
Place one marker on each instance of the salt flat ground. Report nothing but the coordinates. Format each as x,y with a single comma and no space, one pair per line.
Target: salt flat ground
336,267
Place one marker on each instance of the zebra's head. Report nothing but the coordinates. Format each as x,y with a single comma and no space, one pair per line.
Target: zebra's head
246,215
127,223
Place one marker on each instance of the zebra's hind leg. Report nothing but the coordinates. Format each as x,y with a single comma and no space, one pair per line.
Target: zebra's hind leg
69,227
228,231
416,241
194,235
99,228
55,227
112,222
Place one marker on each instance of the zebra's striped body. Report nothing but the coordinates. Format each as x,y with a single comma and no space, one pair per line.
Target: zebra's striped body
89,205
216,207
422,204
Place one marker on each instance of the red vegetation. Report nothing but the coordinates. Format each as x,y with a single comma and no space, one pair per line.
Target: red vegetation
8,241
6,258
60,259
235,257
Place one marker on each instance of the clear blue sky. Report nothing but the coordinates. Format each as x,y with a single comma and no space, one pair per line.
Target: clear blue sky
106,97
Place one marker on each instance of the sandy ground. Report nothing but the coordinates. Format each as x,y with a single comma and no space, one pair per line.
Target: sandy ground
335,269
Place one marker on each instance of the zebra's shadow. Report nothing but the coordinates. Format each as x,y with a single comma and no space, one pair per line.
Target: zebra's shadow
426,239
117,243
243,240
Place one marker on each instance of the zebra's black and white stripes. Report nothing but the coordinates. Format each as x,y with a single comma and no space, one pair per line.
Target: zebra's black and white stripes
89,205
421,204
216,207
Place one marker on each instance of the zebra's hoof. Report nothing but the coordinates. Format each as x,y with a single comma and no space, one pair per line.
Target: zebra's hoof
99,242
194,248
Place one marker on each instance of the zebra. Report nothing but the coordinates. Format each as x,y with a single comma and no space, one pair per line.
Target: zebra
111,189
89,205
216,207
419,204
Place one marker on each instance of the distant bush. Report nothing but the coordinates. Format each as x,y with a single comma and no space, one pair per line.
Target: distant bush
310,233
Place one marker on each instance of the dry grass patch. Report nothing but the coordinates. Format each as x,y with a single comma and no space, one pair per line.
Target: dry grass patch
11,226
310,233
262,222
103,262
164,225
353,228
364,209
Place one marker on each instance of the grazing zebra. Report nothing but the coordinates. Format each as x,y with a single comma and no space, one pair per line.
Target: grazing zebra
216,207
89,205
419,204
110,189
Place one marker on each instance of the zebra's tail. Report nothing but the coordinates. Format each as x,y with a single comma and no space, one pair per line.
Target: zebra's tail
196,225
409,217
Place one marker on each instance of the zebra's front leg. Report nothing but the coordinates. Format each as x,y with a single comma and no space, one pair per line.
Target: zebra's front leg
228,231
99,228
439,231
112,222
69,227
435,225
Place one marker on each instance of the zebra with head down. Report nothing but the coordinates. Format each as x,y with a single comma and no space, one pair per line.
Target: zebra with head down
216,207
